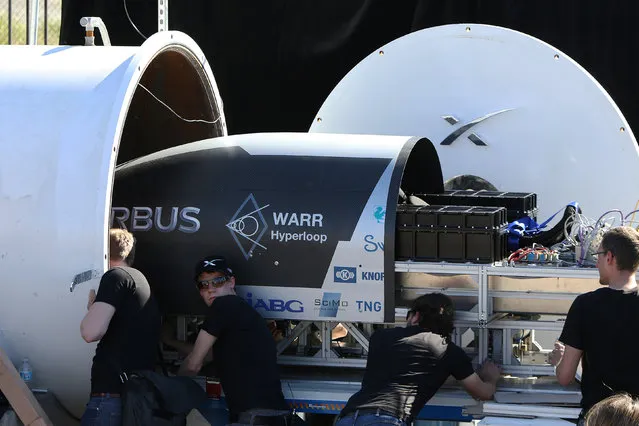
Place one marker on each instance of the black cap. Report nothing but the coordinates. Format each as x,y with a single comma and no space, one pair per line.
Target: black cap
213,264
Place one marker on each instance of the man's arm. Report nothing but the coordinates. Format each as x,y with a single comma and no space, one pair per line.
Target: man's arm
193,362
483,384
566,359
182,348
96,322
102,307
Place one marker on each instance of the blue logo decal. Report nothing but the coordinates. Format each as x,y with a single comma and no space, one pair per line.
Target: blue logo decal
345,274
368,306
247,226
275,305
371,245
372,276
329,304
380,214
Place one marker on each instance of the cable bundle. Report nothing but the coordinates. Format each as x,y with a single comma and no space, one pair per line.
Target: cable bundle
585,234
535,254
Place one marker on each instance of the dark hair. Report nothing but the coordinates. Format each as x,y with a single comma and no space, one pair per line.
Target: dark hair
623,243
436,313
617,410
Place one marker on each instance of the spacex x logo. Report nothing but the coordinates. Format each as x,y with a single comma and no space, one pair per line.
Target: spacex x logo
452,137
248,226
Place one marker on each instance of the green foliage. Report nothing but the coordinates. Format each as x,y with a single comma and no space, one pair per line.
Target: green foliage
19,27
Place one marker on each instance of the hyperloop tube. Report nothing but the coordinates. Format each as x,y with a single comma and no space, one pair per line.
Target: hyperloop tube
68,116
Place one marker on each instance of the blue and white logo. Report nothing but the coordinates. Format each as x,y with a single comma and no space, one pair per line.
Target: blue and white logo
275,305
371,245
368,306
330,304
380,214
247,226
372,276
345,274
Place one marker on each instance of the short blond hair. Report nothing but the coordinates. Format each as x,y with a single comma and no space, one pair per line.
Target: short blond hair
120,244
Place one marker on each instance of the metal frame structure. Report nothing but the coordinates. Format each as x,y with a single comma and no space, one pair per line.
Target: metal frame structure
486,319
163,15
491,331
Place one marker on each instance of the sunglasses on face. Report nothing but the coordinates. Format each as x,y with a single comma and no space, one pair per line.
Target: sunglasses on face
410,313
216,282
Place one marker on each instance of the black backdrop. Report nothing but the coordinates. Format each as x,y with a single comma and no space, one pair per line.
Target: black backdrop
275,61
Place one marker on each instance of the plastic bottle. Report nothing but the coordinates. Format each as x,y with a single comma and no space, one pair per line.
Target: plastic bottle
26,373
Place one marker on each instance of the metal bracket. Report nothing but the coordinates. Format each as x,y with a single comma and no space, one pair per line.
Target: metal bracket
163,15
327,339
83,277
357,334
297,332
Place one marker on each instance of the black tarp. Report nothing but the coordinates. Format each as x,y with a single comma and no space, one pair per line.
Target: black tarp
276,61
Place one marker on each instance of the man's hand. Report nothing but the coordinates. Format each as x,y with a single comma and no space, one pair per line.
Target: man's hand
489,372
557,354
275,332
483,384
91,299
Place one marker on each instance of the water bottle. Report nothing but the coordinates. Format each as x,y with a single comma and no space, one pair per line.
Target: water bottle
25,371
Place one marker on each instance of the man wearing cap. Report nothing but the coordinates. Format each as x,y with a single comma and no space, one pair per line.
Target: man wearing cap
243,348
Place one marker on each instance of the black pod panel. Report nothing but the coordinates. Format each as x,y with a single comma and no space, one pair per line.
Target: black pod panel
278,218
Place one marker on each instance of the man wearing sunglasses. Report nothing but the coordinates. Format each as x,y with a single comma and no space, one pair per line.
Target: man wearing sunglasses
244,351
601,325
407,365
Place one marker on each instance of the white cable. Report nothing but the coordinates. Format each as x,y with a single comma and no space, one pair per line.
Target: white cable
586,234
178,115
126,10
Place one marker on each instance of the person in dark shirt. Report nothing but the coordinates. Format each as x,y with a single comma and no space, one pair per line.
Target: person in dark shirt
406,367
124,317
600,325
243,349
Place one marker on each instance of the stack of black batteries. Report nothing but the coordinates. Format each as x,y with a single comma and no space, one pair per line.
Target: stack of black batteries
517,204
450,233
460,226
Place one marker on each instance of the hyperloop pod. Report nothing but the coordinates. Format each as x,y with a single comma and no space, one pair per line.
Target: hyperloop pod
504,109
307,221
68,116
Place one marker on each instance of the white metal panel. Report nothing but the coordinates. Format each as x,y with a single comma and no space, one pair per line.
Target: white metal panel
330,145
61,115
548,126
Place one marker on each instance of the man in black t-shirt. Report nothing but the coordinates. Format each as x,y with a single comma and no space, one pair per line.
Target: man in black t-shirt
600,326
243,348
406,367
125,319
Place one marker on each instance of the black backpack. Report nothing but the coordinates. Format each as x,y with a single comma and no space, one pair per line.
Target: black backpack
151,399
